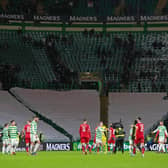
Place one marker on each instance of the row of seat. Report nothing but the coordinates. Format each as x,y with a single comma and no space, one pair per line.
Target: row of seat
104,53
83,7
36,70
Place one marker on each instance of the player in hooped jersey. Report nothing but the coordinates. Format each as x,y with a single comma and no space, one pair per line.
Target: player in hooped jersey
99,136
35,141
111,139
26,134
5,139
94,140
161,134
13,135
85,136
139,137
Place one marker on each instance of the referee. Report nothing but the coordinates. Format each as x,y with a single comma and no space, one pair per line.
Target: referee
120,135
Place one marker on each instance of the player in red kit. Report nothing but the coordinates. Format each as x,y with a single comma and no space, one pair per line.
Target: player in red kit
26,133
111,139
139,136
85,136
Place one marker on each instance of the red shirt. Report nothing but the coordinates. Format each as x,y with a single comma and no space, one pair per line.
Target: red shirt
27,130
139,130
84,131
112,132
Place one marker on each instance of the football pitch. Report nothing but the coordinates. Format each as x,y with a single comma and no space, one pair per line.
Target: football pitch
77,160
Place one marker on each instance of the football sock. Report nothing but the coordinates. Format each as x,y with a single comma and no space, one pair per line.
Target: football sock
105,148
109,148
36,147
83,148
87,147
93,146
130,149
11,149
31,148
160,147
163,147
8,148
3,149
27,149
113,148
14,148
90,148
134,150
143,150
98,149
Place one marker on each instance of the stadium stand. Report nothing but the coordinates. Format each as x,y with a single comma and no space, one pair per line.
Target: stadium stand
133,61
128,106
66,108
11,109
35,68
150,66
84,7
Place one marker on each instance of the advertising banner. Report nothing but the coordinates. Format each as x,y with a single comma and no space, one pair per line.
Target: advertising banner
78,147
148,147
46,146
84,18
57,146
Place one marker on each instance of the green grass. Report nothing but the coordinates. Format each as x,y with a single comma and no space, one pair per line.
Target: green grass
77,160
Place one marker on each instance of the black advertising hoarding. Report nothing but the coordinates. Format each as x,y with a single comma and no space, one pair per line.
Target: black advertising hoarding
46,146
84,18
76,146
22,147
57,146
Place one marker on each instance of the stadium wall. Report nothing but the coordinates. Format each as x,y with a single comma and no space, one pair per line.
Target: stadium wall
45,119
126,107
65,108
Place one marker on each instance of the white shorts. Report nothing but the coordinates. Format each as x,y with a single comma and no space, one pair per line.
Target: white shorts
5,142
130,142
98,141
13,142
34,138
161,139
